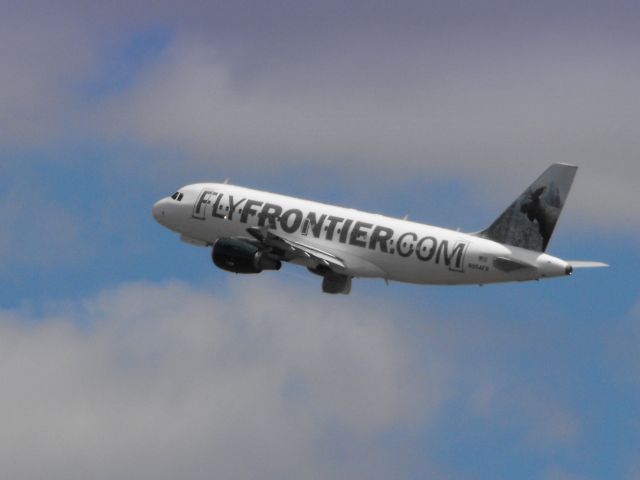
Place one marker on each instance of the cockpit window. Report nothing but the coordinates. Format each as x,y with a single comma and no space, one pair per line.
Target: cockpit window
180,197
175,195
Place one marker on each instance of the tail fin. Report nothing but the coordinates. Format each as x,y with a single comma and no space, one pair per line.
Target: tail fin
530,220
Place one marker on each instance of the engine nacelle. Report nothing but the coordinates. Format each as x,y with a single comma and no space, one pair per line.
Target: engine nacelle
238,256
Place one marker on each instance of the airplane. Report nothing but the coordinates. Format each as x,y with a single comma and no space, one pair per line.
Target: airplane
251,231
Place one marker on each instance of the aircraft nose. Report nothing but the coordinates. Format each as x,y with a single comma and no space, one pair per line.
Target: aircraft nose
158,211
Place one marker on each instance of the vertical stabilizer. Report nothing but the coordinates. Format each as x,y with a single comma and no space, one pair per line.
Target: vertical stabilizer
530,220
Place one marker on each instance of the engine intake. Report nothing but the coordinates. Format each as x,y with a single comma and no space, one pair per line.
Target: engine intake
238,256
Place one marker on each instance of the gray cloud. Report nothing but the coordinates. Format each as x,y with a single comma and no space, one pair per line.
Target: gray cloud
482,118
44,54
419,89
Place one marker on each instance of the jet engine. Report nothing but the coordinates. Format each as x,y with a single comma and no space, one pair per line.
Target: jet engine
239,256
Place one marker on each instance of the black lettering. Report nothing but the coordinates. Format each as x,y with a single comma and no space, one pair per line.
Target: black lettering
215,207
425,252
402,244
233,206
199,210
380,235
331,228
316,225
345,230
359,230
475,266
249,210
270,212
284,220
457,252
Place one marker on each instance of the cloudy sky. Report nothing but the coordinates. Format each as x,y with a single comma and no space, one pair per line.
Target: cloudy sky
125,354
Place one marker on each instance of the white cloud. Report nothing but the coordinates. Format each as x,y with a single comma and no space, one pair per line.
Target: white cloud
263,380
164,381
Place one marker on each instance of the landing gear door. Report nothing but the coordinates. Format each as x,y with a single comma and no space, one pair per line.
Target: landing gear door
203,204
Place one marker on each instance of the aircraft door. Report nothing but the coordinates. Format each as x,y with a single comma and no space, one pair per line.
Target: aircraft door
204,204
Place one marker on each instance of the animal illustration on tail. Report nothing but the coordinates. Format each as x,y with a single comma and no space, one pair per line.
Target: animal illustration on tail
531,219
544,214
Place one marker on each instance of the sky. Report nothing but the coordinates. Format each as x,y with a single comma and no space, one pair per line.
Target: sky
124,353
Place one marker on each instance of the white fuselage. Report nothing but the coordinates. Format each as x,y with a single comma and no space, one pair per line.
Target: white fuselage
370,245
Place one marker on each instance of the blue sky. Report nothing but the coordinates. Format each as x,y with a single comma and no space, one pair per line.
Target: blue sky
125,353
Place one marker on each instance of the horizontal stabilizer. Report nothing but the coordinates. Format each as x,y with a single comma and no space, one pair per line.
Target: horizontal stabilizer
586,264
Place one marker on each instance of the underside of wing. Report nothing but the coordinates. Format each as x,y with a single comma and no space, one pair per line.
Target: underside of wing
291,250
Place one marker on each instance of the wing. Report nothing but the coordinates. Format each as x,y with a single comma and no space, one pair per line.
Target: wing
291,250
